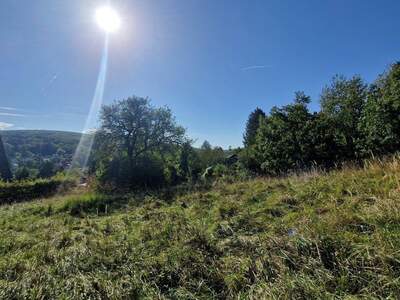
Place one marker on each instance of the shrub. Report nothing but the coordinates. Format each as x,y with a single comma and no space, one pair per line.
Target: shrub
18,191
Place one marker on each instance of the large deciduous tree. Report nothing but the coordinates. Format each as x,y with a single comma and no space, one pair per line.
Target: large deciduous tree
136,134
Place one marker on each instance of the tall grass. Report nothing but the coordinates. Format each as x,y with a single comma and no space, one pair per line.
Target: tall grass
311,236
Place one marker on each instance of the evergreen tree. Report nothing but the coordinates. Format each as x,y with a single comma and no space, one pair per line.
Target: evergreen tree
5,172
253,122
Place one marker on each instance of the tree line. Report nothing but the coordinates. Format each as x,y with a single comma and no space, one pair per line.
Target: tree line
139,145
355,121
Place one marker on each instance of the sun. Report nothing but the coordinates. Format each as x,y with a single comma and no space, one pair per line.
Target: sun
108,19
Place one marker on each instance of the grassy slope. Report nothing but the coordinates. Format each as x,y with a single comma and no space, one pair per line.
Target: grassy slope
312,236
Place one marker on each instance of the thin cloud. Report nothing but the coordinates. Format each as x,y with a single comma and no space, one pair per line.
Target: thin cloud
7,108
4,125
11,114
254,67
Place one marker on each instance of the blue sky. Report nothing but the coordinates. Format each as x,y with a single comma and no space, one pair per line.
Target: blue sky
210,61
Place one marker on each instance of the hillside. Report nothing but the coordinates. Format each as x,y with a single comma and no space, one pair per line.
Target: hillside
39,142
303,237
30,147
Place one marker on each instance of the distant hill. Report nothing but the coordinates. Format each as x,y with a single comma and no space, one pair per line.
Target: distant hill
30,147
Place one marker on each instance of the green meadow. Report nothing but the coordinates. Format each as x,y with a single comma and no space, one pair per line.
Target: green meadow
314,235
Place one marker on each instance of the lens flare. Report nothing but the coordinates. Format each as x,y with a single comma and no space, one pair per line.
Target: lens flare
108,19
82,153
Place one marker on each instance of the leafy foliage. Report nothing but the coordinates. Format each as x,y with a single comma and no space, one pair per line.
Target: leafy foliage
355,122
135,143
283,142
380,122
343,103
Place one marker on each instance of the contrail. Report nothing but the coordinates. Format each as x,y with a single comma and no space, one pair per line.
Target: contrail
49,84
254,67
82,153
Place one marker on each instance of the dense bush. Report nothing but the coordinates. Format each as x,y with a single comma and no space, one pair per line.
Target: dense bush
117,173
17,191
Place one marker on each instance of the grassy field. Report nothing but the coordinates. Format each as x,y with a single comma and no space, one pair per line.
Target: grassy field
314,236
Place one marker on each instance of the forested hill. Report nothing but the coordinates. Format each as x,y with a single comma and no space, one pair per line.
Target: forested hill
28,147
39,142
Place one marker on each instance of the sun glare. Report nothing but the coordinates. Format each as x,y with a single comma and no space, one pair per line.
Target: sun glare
108,19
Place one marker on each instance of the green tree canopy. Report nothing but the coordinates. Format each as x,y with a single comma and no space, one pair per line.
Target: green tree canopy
343,102
380,122
134,139
253,122
283,139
